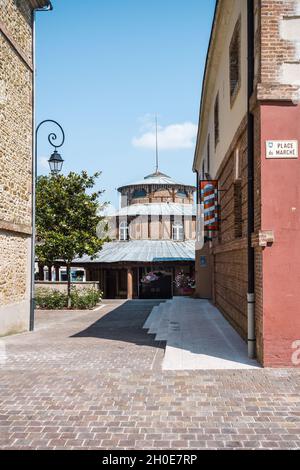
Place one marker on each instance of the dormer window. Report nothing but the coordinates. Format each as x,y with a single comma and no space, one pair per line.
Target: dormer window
178,232
123,232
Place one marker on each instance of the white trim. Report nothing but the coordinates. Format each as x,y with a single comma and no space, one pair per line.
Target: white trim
237,163
99,308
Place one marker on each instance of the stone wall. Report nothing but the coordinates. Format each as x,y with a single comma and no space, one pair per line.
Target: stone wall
62,286
13,268
15,163
15,115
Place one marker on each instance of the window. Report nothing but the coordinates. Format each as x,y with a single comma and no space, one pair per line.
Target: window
182,194
216,121
234,61
139,193
238,216
123,231
237,172
178,232
208,155
238,199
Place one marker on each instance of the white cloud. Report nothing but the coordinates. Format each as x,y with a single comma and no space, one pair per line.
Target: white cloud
172,137
43,163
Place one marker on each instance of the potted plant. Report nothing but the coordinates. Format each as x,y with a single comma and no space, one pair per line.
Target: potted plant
185,284
149,277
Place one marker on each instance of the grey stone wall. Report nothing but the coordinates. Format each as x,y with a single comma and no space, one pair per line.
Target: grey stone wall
16,108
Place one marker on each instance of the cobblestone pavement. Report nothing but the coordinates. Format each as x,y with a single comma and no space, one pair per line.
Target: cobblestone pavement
93,380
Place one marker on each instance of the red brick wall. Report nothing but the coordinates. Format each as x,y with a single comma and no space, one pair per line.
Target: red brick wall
257,248
275,51
230,246
230,251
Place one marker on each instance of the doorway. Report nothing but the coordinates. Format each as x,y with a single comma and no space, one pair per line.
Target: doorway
160,288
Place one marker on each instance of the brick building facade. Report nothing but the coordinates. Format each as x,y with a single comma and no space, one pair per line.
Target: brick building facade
16,118
251,94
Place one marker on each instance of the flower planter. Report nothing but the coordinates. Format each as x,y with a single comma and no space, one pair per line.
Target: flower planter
186,291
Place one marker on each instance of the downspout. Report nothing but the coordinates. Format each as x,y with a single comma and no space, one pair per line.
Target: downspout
250,161
199,238
197,186
34,172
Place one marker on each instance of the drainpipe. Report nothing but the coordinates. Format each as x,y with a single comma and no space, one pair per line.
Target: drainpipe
197,186
34,172
250,161
199,215
199,240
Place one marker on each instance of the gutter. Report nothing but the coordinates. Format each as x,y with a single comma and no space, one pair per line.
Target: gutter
250,163
41,5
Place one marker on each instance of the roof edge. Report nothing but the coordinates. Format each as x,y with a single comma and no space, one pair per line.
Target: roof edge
212,33
35,4
189,186
144,182
157,173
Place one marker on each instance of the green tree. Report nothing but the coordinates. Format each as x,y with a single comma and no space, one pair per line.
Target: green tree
67,216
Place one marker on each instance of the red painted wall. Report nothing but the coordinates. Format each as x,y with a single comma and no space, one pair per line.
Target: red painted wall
281,262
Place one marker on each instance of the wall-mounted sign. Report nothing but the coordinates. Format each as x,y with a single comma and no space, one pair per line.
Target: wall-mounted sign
209,199
203,261
282,149
266,237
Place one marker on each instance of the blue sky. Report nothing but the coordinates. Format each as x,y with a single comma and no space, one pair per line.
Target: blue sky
105,68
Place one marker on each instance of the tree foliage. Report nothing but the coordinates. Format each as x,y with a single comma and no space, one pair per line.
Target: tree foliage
67,216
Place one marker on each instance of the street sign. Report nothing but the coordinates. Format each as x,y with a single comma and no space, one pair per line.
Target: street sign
266,237
284,149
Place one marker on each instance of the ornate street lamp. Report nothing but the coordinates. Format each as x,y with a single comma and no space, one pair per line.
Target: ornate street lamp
55,163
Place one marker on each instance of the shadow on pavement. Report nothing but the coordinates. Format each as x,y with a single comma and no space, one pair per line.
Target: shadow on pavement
123,323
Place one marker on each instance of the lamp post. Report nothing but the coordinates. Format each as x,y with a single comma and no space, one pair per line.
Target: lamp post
55,163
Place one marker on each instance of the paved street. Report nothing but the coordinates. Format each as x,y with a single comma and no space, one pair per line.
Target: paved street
94,380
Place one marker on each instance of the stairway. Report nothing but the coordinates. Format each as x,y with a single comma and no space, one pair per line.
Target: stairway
197,336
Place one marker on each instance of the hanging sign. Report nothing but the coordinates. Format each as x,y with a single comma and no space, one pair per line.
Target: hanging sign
282,149
209,199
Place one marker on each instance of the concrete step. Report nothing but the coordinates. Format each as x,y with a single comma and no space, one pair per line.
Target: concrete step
155,324
200,338
156,319
163,327
150,318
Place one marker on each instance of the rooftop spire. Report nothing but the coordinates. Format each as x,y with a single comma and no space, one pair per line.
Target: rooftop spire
156,169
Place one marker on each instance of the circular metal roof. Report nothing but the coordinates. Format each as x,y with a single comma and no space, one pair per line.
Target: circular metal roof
157,179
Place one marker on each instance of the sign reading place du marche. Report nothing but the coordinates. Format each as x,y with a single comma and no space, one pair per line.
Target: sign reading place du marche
282,149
